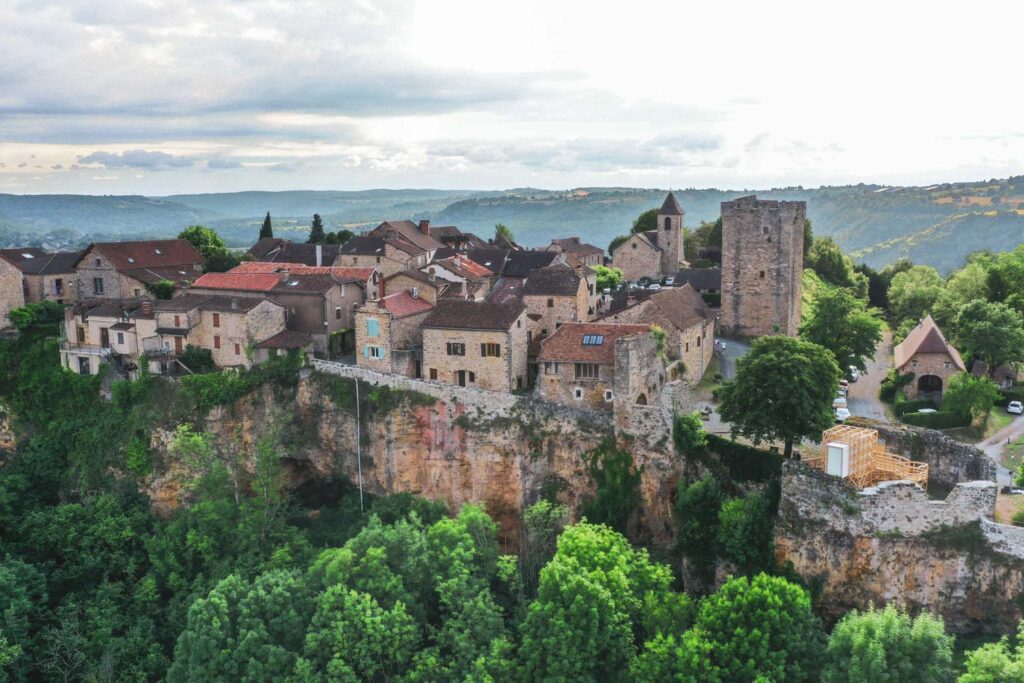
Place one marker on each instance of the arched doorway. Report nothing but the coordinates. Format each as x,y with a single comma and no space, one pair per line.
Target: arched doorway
641,400
929,386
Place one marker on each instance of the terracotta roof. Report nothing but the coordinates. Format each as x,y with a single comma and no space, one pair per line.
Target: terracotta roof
286,339
566,344
670,207
342,273
26,259
147,253
403,303
409,231
251,282
459,314
557,280
464,267
925,338
700,278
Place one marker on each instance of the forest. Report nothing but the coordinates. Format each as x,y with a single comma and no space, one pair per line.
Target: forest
257,580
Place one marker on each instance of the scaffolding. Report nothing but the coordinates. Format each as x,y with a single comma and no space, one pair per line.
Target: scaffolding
857,456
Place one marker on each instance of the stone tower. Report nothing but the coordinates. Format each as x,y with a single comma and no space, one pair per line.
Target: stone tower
670,235
762,266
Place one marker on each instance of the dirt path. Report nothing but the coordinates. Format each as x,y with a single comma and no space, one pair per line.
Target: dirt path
993,447
863,398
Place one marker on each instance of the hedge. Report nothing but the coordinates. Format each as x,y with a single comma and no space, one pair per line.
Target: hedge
745,463
904,407
941,420
1011,394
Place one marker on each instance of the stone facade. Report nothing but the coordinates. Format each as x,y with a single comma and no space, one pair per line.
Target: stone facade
637,258
425,287
393,349
230,334
553,311
391,261
925,366
762,266
12,291
505,372
657,253
557,382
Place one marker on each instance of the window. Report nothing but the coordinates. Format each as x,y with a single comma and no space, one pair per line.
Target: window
378,259
216,319
81,335
634,245
238,349
138,292
587,371
519,324
947,364
433,373
177,321
337,313
97,285
593,339
490,350
376,352
372,327
698,341
913,363
58,286
472,376
577,394
609,395
550,368
519,382
761,275
687,347
456,349
99,263
355,260
668,223
544,333
120,338
764,229
216,341
551,303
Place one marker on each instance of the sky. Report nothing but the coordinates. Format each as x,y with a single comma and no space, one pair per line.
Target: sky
160,97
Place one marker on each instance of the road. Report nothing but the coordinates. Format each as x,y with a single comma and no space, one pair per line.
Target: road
863,398
993,448
733,351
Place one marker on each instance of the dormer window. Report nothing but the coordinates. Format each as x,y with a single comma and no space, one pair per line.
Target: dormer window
158,252
131,260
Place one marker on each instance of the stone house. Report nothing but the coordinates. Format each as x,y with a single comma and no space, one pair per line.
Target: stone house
367,278
707,281
274,250
655,254
43,276
319,304
426,287
933,361
688,322
762,266
13,263
121,270
467,278
389,333
476,344
391,247
282,343
587,254
581,364
557,295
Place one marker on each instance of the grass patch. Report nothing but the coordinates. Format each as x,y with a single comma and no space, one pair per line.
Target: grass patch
997,419
1013,455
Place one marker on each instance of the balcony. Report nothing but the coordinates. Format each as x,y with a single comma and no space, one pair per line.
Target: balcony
82,349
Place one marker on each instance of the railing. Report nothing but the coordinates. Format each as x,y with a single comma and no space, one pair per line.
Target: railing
157,346
86,349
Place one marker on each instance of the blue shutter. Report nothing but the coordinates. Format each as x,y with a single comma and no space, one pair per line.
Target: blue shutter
372,327
366,351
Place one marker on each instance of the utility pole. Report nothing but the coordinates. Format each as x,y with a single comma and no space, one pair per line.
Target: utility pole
359,446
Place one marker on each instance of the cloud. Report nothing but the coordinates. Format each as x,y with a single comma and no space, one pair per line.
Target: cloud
137,158
57,167
222,164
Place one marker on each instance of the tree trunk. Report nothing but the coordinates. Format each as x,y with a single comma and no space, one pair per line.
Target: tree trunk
788,453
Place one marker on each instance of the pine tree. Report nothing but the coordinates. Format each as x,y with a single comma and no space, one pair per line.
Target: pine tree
316,232
267,230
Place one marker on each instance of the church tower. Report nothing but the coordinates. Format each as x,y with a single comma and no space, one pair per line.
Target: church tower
670,235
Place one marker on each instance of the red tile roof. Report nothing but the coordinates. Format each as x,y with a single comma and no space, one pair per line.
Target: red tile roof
340,272
148,253
403,303
286,339
464,267
566,344
252,282
925,338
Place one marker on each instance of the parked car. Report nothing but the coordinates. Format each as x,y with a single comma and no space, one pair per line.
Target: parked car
839,402
1015,408
844,384
842,414
654,285
927,410
843,391
854,374
669,281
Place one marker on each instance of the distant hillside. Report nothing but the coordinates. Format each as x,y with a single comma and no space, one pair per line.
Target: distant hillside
936,225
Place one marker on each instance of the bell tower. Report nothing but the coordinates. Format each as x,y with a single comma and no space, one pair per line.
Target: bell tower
670,235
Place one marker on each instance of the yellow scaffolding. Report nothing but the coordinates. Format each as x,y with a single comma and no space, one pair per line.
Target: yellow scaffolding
868,462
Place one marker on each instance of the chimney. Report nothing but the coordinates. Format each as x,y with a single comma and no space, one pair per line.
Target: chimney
319,255
415,292
147,307
425,227
464,290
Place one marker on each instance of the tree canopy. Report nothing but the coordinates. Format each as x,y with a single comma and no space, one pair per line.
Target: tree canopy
267,229
216,257
840,322
316,230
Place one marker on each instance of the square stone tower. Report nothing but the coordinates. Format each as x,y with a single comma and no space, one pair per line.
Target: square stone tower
670,235
762,266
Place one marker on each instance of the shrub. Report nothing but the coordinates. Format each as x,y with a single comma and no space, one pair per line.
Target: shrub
892,383
745,533
745,463
904,407
940,420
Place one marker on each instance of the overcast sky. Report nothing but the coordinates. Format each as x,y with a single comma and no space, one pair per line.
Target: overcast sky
157,97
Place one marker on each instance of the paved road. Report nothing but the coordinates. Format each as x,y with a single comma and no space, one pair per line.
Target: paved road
727,358
863,398
994,445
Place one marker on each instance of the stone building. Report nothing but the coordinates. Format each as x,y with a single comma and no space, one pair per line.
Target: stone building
389,333
391,247
13,263
587,254
655,254
688,322
368,279
275,250
762,266
931,359
122,270
476,344
581,364
426,287
467,278
40,277
559,294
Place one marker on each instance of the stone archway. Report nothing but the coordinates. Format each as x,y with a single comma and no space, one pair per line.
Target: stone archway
641,400
929,386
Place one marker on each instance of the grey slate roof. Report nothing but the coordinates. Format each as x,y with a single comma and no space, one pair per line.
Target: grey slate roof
670,207
459,314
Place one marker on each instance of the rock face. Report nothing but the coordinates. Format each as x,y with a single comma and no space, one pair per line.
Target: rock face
890,543
457,447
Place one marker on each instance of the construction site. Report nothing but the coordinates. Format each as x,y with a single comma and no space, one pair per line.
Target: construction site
856,454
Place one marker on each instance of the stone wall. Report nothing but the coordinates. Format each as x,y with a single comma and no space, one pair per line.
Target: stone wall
637,258
949,461
762,266
890,543
940,365
12,291
505,372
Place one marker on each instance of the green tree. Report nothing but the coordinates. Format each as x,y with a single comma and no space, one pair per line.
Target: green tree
542,523
617,486
996,662
216,257
648,220
968,284
162,289
267,229
970,395
316,231
993,332
688,433
745,533
607,278
697,515
23,597
783,391
198,359
41,317
339,237
913,292
841,323
502,231
760,629
888,645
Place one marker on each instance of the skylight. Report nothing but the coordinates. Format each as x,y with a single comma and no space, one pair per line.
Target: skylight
293,283
158,251
27,255
131,260
593,339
